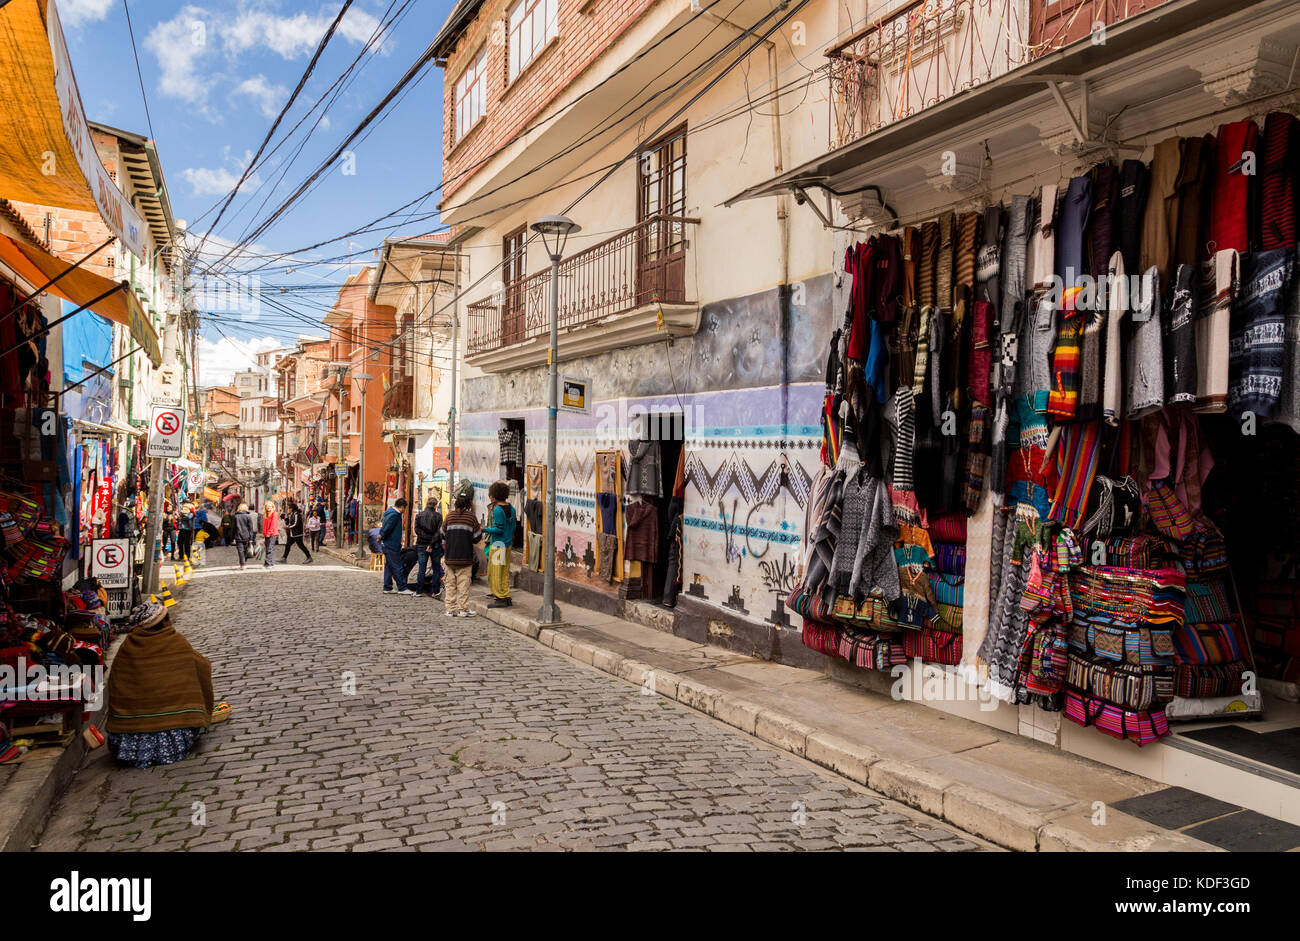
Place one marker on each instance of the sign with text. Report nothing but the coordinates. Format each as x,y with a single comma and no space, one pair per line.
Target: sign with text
166,431
574,395
110,562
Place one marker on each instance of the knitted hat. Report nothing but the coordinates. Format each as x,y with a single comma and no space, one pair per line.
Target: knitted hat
147,615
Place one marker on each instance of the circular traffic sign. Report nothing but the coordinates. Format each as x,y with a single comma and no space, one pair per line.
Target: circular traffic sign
110,557
166,423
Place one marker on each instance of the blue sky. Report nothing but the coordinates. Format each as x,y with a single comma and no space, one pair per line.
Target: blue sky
216,73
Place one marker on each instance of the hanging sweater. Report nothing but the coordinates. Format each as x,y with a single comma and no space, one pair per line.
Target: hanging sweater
864,554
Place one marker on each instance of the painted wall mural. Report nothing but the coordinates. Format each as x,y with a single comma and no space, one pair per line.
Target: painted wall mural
751,444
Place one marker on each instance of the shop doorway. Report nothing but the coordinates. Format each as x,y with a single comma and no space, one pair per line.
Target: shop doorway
670,430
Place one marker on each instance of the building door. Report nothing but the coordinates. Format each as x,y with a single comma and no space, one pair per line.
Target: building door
513,257
661,198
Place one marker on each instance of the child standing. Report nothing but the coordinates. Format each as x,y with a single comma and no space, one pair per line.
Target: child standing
501,536
460,531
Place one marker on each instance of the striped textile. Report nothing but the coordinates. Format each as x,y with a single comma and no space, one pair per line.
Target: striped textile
1144,597
903,408
947,588
977,458
1280,166
951,527
1077,454
943,271
1220,642
1120,684
967,249
1195,681
933,646
1233,207
927,273
952,616
950,558
1067,362
821,638
922,363
1214,330
1141,728
870,650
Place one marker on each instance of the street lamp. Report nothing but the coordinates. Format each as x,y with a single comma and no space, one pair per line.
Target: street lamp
555,232
363,380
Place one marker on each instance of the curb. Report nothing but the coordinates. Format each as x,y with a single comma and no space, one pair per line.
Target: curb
983,813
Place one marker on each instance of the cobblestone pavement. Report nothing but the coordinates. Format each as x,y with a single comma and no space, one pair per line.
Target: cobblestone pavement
460,735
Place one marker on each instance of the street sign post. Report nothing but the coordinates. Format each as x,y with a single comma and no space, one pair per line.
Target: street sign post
110,562
166,431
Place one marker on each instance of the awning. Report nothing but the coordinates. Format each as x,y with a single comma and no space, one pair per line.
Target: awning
47,156
1135,35
80,285
111,427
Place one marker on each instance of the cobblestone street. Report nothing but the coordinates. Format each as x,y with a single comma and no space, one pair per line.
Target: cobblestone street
460,735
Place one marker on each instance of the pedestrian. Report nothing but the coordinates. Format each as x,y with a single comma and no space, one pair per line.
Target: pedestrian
185,531
460,531
428,542
228,529
314,525
169,531
294,528
390,538
270,532
501,536
245,533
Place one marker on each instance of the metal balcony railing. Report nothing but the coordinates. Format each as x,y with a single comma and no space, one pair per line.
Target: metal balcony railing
930,50
399,400
637,267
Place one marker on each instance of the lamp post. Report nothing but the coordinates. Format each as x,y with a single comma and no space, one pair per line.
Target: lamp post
555,232
363,380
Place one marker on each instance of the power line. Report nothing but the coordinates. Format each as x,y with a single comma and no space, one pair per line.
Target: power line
138,74
311,67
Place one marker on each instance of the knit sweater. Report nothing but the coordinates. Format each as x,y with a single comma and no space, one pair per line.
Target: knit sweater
864,554
460,532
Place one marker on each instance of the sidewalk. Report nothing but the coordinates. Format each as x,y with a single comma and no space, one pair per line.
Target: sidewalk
1010,790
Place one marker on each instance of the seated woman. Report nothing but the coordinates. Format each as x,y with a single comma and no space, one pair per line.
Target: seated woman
159,693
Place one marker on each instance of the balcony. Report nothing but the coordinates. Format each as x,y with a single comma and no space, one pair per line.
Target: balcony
399,400
931,50
629,289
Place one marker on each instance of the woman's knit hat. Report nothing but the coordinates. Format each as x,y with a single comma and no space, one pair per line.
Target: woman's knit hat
149,614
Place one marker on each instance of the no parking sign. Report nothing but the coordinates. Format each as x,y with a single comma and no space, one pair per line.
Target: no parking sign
110,562
166,430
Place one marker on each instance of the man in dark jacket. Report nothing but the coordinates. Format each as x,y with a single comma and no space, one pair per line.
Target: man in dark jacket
294,528
428,544
390,537
245,533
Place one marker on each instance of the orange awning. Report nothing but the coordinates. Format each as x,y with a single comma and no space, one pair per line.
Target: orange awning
47,156
80,286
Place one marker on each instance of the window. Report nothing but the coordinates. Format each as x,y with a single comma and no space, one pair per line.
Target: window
532,24
471,94
660,205
513,260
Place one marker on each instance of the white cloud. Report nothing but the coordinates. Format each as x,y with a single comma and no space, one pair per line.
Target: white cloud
219,361
269,98
79,12
179,44
186,44
219,181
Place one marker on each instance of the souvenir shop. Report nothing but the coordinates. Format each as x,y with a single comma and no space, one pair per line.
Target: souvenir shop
48,619
1062,443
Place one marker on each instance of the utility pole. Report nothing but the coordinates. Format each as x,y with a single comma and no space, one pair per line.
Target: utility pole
339,463
157,466
364,379
455,356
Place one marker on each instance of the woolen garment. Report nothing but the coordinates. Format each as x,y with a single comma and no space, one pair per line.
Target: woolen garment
1112,382
1071,226
511,444
864,553
1195,178
1042,241
911,248
1214,330
1258,340
1134,187
1011,308
607,545
886,279
1234,210
943,271
158,682
1035,351
460,531
644,475
1180,337
900,416
859,263
1090,363
927,271
533,513
988,263
533,558
1288,403
642,541
1279,169
673,578
608,504
980,367
1105,206
1160,223
1145,364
